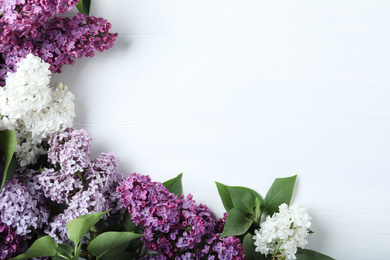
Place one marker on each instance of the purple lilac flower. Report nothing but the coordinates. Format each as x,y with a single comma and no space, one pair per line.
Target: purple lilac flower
59,187
85,186
103,173
15,11
20,209
83,202
175,226
10,242
33,27
103,176
70,150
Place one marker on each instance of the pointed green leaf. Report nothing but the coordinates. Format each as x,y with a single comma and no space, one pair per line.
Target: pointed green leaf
84,6
236,223
249,248
226,197
64,250
280,192
242,199
174,185
305,254
78,227
8,144
110,244
127,223
44,246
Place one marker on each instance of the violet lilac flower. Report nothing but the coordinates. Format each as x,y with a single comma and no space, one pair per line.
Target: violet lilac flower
22,207
175,226
34,27
70,150
10,242
86,186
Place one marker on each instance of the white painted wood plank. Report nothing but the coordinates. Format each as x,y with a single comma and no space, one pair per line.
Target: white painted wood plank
242,92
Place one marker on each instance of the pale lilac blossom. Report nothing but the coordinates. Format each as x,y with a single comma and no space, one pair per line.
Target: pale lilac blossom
21,210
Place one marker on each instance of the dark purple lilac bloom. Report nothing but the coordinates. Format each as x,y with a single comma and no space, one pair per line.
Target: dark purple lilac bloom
10,242
33,26
174,226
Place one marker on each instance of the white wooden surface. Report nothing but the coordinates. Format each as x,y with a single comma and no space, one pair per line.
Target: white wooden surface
242,92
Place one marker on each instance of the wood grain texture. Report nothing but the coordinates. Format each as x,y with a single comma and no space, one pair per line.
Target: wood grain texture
242,92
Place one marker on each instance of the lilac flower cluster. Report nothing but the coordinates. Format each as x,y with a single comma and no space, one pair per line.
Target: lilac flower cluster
10,242
84,185
70,150
33,26
175,227
22,205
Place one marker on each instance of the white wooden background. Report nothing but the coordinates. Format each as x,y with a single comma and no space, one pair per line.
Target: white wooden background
243,92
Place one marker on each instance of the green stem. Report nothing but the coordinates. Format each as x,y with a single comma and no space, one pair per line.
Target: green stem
277,250
62,256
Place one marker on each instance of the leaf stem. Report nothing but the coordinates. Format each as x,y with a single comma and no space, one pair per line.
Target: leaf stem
62,256
277,250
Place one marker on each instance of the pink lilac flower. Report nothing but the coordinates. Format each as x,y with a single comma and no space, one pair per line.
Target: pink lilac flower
33,27
10,242
174,226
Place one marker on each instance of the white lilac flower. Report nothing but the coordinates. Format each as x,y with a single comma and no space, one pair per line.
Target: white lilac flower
286,230
33,109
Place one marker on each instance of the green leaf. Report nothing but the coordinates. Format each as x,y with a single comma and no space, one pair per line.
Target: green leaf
125,255
78,227
249,248
174,185
280,192
84,6
110,244
226,196
127,223
44,246
8,142
305,254
236,223
242,199
65,250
